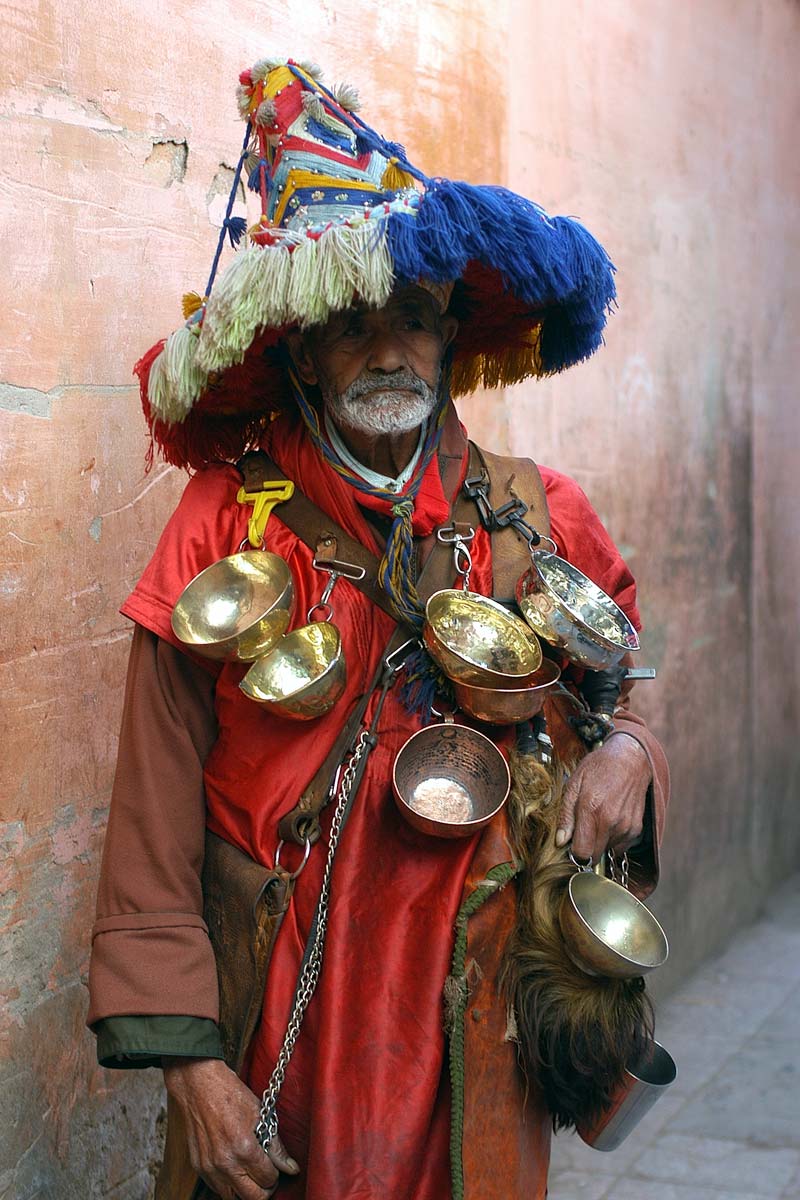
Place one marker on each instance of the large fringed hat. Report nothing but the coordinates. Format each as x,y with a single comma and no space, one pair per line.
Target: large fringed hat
346,218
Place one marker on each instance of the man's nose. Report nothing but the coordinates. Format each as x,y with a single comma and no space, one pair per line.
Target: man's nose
386,352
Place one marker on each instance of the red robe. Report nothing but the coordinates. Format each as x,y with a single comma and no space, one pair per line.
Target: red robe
365,1108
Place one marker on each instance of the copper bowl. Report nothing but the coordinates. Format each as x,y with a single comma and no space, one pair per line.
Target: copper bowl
450,780
508,706
475,640
237,608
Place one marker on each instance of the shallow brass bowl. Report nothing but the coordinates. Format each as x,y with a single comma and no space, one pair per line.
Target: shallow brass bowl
508,706
608,931
476,640
568,610
303,676
450,780
237,608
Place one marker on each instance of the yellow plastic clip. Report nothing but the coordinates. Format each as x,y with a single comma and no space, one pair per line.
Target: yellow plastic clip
272,492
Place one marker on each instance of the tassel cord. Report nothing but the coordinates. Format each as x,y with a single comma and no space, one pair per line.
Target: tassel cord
228,211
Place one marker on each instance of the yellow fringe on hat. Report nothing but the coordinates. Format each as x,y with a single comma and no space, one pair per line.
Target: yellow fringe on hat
498,370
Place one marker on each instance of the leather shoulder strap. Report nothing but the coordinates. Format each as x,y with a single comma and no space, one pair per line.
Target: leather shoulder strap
513,479
321,534
314,527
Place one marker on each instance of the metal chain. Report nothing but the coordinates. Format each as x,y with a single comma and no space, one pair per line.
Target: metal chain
267,1127
623,868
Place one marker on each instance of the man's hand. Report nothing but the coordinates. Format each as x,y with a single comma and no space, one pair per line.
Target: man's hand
220,1114
603,801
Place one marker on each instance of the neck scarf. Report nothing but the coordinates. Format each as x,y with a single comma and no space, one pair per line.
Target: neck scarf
396,571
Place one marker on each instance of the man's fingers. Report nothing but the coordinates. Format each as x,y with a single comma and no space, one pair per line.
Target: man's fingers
585,836
236,1185
566,816
281,1157
244,1170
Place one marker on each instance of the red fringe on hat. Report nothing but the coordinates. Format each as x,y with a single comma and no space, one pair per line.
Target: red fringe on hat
230,416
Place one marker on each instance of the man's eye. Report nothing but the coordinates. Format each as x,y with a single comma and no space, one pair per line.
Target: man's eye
412,323
353,329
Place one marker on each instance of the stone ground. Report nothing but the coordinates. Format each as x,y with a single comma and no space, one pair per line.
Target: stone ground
729,1127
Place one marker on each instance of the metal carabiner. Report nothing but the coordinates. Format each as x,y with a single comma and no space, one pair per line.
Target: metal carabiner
335,571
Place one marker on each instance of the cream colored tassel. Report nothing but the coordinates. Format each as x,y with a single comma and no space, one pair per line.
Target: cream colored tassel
176,381
305,301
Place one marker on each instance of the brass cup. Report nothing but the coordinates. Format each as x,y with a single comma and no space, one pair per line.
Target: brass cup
477,641
568,610
303,676
237,608
608,931
450,780
508,706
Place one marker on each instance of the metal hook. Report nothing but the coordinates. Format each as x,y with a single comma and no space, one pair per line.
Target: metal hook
335,569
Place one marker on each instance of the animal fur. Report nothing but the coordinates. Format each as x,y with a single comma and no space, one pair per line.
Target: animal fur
576,1032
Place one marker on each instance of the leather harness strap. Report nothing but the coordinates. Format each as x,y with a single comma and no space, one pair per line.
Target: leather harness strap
512,479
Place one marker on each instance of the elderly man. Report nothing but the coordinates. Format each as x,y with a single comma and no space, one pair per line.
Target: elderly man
331,347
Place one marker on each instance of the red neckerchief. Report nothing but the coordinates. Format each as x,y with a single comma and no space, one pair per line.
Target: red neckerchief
295,454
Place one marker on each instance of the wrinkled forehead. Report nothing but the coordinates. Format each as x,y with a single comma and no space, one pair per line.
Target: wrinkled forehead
410,300
414,297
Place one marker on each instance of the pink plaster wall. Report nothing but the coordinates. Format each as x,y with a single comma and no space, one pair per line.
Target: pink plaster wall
670,128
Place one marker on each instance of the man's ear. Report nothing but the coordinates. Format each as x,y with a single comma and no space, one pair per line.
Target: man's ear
298,350
449,327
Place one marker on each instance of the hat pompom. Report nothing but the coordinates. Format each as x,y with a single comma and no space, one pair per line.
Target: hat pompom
346,96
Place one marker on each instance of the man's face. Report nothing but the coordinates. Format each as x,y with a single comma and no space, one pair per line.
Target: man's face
378,369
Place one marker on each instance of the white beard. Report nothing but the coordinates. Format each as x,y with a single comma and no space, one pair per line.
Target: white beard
375,405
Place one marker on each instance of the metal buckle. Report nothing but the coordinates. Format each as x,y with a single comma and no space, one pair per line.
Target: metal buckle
394,661
335,566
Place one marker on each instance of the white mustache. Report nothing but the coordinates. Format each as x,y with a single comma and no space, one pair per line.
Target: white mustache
398,381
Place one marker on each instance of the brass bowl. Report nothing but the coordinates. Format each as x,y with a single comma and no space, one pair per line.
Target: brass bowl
237,608
508,706
303,676
569,611
608,931
450,780
475,640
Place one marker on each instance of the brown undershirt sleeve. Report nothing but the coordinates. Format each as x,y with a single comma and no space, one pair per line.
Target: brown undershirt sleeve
151,955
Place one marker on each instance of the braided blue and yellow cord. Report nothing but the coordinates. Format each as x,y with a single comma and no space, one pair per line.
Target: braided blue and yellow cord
395,573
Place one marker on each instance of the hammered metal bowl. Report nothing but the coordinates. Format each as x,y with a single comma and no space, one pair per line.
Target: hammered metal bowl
237,608
475,640
508,706
608,931
569,611
450,780
303,676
